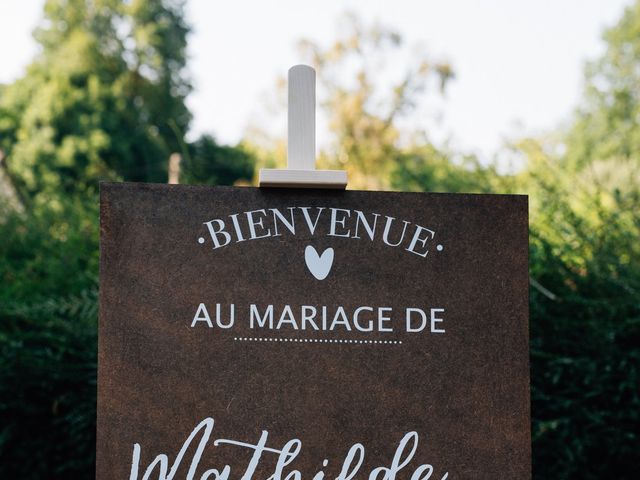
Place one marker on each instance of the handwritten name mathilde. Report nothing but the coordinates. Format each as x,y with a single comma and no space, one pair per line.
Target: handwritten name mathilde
350,468
354,224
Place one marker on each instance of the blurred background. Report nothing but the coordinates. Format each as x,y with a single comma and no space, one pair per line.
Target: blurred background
508,96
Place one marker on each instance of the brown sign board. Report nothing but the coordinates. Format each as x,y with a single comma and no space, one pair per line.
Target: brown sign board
285,334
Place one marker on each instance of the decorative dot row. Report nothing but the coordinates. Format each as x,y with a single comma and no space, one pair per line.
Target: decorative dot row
313,340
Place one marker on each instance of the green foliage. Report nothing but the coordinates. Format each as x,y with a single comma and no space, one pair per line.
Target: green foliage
104,99
607,126
47,386
585,328
427,168
50,252
213,164
48,311
585,250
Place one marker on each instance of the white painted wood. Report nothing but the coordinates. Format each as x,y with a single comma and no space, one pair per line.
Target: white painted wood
301,126
301,152
271,177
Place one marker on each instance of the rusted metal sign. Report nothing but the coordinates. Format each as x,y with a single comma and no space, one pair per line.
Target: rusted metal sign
307,334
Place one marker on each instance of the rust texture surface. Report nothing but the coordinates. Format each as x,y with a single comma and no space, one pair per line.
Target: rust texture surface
207,312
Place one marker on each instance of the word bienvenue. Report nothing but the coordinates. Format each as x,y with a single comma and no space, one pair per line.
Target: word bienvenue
322,318
272,222
286,455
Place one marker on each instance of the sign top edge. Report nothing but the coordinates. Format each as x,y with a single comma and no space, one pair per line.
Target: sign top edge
104,186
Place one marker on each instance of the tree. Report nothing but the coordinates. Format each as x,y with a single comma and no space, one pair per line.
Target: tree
428,168
606,125
103,100
363,105
213,164
373,91
585,328
605,136
585,268
48,312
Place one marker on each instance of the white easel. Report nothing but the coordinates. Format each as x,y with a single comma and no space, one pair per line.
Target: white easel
301,142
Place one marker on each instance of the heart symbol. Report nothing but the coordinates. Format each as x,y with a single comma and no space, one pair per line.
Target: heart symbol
318,265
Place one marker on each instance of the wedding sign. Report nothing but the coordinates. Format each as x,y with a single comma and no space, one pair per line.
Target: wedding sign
289,334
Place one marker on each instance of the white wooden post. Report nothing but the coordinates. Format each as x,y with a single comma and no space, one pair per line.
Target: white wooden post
301,141
301,118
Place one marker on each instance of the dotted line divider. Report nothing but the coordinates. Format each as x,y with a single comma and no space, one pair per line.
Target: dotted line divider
314,340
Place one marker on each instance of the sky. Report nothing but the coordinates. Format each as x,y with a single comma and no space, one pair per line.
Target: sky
518,63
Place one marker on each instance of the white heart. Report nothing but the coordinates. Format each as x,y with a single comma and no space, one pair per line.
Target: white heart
318,265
